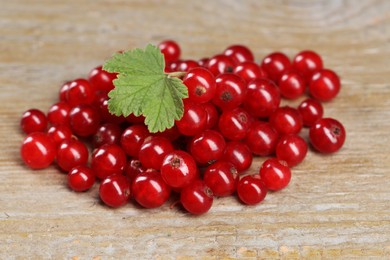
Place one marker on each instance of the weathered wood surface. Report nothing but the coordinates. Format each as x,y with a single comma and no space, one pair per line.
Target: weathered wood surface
336,206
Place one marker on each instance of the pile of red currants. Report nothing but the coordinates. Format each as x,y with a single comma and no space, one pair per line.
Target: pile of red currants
232,114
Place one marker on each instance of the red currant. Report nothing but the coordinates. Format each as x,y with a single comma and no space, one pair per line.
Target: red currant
38,150
107,160
324,85
81,178
249,71
234,124
196,198
33,120
239,53
178,169
220,64
114,190
153,151
239,154
275,174
292,149
101,79
59,114
262,138
231,91
187,65
201,84
311,111
63,92
84,120
207,147
171,50
327,135
59,133
251,190
80,92
221,177
133,168
275,65
71,153
307,63
107,133
292,85
194,119
132,139
150,190
212,115
286,120
106,116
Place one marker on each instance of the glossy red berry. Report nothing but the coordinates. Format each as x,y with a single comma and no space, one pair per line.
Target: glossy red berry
186,65
212,115
107,133
262,138
101,79
275,65
221,177
194,119
150,190
239,53
132,139
234,124
207,147
81,178
59,133
275,174
170,49
292,85
200,83
251,190
133,168
307,63
327,135
59,113
80,92
220,64
62,94
33,120
311,111
197,198
84,120
239,154
231,91
178,169
286,120
114,190
153,151
292,149
38,150
249,71
105,114
171,134
324,85
71,153
262,98
107,160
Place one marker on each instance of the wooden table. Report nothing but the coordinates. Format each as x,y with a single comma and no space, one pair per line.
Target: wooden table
337,206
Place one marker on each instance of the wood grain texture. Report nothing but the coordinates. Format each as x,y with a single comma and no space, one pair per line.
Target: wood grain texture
336,207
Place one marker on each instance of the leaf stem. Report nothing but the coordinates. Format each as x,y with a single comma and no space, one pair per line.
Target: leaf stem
176,74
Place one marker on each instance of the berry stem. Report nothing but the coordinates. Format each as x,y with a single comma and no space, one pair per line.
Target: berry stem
176,74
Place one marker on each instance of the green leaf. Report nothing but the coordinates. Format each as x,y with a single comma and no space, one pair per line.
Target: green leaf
142,88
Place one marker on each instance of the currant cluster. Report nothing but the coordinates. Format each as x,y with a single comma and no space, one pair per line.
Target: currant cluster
232,114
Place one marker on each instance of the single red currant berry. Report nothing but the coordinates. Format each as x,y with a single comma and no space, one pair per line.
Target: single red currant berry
81,178
114,190
194,119
203,62
59,133
262,138
153,151
196,198
133,168
170,49
212,115
311,111
33,120
207,147
107,160
307,63
292,85
107,133
249,71
71,153
239,154
221,177
234,124
178,169
59,113
80,92
262,98
324,85
132,139
251,190
239,53
231,91
200,83
38,150
292,149
150,190
220,64
327,135
187,65
63,92
286,120
84,120
275,174
106,116
275,65
101,79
